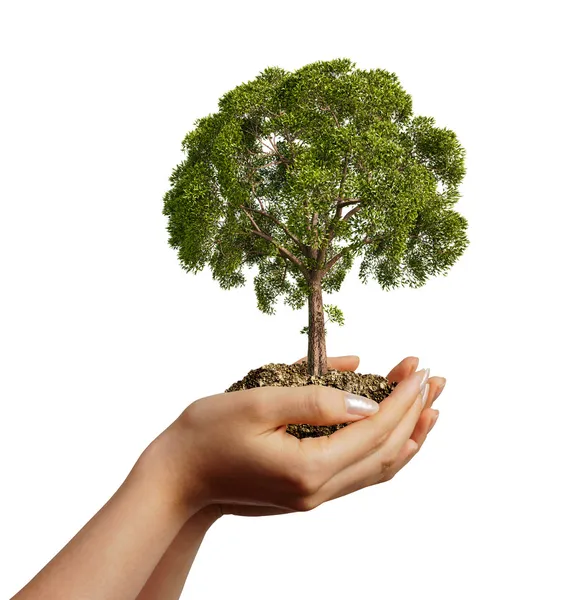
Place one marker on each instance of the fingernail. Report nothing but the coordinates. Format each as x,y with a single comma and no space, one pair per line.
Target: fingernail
424,394
421,377
434,420
359,405
441,388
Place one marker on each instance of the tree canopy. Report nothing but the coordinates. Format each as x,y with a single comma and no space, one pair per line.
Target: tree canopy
301,172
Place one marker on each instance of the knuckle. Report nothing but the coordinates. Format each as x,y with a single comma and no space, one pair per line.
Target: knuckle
388,470
388,463
257,403
306,473
306,480
314,404
256,408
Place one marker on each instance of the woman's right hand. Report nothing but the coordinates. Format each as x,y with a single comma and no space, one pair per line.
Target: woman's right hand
423,426
232,449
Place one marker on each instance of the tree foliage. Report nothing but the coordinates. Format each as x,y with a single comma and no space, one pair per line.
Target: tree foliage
303,171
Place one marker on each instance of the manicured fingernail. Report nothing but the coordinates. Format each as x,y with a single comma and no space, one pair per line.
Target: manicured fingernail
359,405
421,377
434,420
441,388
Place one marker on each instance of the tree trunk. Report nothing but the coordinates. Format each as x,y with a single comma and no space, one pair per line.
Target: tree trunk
316,354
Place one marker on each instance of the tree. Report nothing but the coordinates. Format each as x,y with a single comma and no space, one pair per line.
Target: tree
298,173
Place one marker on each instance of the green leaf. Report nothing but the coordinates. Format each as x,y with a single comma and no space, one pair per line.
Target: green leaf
334,314
261,179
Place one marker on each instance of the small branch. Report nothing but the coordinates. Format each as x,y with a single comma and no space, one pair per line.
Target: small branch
339,205
331,262
349,201
252,220
287,137
352,212
342,203
328,108
274,162
285,253
316,253
282,250
281,225
273,147
344,174
279,114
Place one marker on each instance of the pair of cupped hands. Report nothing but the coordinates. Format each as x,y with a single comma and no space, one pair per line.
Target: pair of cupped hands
230,453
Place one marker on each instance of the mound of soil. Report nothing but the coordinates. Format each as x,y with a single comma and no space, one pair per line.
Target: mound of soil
375,387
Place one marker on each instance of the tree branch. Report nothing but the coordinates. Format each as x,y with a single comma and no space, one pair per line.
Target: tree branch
352,212
349,201
251,218
344,174
274,162
282,250
273,147
282,226
328,108
331,262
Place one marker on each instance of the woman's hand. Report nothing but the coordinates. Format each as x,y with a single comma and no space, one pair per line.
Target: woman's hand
232,449
428,416
423,426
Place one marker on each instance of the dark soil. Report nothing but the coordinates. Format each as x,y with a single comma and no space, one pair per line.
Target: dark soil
375,387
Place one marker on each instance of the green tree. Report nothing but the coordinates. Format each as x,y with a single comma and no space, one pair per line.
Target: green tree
298,173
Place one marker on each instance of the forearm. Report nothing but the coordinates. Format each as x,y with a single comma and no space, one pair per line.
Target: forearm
114,554
168,579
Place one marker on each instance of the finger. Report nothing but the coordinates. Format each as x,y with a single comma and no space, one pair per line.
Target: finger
402,432
403,369
440,387
347,482
425,422
433,392
422,424
340,363
406,456
376,467
351,444
419,434
436,387
313,404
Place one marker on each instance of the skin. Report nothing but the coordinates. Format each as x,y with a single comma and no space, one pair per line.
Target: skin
143,542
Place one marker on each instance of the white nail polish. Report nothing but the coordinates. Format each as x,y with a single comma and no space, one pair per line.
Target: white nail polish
424,380
424,394
360,405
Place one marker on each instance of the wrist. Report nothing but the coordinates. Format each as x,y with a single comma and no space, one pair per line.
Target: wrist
209,514
162,465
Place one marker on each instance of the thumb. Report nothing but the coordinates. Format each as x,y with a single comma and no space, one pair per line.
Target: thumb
316,405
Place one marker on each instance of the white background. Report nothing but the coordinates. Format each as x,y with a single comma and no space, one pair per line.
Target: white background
104,339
